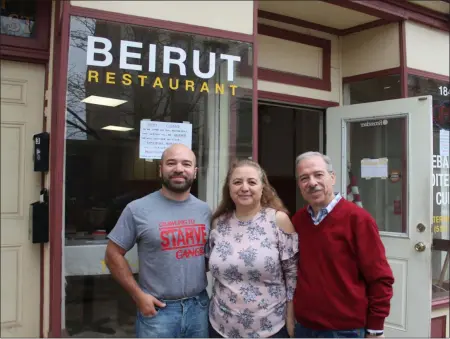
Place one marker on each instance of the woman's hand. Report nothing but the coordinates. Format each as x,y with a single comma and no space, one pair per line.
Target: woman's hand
290,319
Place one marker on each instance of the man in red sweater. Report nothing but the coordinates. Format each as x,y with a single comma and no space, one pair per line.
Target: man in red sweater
344,284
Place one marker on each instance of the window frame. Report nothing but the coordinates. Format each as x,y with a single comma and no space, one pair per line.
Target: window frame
437,244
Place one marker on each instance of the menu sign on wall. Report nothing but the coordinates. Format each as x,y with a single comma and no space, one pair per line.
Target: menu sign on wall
156,136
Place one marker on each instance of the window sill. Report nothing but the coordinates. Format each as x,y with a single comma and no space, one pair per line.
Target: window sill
440,302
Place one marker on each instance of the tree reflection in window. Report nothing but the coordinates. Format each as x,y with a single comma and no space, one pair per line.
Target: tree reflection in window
143,102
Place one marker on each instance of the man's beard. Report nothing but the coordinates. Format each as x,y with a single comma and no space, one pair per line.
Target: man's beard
177,188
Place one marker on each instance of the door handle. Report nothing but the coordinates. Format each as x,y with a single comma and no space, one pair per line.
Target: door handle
420,247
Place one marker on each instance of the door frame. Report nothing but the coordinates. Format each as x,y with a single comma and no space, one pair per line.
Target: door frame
265,97
293,107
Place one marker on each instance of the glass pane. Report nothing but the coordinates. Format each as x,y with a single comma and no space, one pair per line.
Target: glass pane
110,90
97,306
370,90
244,122
441,178
376,161
18,17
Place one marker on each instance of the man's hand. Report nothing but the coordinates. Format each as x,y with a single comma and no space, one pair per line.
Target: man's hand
147,303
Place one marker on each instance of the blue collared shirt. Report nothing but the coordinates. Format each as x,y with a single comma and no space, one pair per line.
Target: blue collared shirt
324,211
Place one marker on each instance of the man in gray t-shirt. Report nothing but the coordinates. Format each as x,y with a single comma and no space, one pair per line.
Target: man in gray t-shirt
171,229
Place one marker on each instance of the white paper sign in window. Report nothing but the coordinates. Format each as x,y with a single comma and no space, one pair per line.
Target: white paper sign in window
156,136
374,168
444,142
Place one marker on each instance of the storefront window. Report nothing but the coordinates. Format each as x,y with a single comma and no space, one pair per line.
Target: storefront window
126,83
18,17
370,90
441,177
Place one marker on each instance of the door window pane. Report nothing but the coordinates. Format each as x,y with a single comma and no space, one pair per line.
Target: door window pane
441,178
376,170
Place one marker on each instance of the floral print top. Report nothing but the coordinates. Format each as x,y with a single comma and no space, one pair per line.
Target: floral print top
254,266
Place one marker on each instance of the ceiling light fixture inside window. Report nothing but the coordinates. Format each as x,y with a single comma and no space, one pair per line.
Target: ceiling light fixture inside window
103,101
117,128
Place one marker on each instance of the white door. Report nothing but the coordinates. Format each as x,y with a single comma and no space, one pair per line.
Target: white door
22,99
384,151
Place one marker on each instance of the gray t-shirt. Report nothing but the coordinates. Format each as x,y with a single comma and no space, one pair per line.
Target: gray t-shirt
171,237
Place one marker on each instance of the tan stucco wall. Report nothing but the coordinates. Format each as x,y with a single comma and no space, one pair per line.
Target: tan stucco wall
235,16
371,50
427,49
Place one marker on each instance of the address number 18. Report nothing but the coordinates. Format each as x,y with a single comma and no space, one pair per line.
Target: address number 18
443,90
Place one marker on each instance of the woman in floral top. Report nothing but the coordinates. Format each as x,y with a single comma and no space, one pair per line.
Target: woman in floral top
252,254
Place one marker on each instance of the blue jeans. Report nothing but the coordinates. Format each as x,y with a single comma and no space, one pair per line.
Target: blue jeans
303,332
182,318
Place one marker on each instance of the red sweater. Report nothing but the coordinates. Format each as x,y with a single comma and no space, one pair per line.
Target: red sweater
344,279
